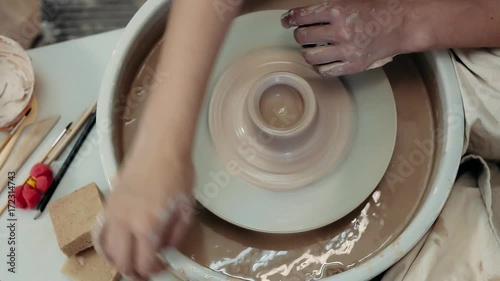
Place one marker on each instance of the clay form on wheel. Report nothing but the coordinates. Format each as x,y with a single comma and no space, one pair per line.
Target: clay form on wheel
278,122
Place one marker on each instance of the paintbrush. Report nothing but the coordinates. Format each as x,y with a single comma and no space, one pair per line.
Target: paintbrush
14,130
89,125
72,131
56,142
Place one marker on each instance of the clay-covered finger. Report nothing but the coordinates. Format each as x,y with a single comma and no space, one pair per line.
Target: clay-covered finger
173,238
323,55
184,214
118,244
97,234
338,69
160,265
317,34
148,267
146,259
167,235
133,278
307,15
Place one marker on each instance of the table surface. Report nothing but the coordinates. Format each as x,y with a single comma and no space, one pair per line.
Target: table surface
68,78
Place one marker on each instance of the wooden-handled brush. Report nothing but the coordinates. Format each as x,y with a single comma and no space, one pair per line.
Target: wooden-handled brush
13,131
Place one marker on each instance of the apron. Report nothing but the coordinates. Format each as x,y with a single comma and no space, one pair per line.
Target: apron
464,242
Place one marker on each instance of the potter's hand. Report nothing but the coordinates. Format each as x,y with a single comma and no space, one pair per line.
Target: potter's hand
148,210
353,35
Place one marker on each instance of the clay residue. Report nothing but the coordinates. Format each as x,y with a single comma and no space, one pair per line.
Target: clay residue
315,9
284,102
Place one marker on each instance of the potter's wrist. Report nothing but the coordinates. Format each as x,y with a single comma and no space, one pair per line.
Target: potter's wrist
165,157
417,33
167,132
164,149
162,143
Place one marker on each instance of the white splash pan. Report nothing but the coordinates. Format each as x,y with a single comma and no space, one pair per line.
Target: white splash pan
146,28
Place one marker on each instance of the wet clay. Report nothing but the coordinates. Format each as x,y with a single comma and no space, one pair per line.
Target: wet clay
281,159
313,255
281,100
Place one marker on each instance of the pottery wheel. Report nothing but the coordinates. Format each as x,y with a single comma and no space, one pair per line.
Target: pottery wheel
217,250
304,171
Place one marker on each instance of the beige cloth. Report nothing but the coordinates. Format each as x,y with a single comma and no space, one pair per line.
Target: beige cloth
464,243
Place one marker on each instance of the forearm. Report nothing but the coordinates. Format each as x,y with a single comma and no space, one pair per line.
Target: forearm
442,24
194,34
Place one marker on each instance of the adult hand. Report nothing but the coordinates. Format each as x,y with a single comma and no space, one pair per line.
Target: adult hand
349,36
148,210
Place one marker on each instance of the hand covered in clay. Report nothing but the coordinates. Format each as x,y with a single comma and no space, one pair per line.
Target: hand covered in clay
149,209
349,36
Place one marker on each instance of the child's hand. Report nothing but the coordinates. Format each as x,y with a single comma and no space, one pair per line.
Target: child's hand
353,34
148,210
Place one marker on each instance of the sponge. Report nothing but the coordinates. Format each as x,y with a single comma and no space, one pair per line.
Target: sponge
73,217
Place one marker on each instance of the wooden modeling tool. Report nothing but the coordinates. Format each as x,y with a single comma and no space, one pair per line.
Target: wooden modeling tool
13,131
4,155
29,144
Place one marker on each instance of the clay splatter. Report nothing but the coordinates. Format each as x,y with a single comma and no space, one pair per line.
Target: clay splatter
334,12
289,15
346,33
316,50
334,68
350,19
303,32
